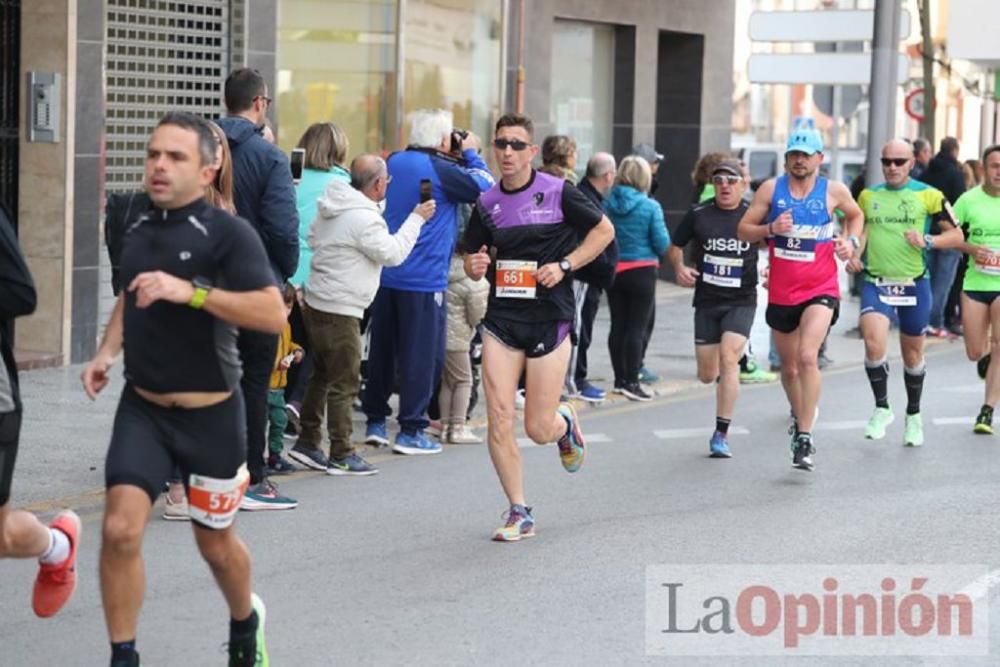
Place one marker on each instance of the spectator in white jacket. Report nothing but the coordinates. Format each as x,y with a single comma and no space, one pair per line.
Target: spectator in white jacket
351,243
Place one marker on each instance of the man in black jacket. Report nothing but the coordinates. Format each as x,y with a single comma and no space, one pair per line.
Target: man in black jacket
265,196
21,534
944,173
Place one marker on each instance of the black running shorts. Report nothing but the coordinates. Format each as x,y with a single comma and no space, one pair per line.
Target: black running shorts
786,319
10,430
149,440
710,322
535,339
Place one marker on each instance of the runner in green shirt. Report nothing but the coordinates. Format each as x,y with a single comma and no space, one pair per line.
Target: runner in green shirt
898,214
978,210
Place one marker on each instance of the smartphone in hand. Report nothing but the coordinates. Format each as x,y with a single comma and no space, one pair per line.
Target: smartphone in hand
425,190
298,163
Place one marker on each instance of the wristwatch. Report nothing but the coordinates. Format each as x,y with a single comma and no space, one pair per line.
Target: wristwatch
564,265
929,240
201,289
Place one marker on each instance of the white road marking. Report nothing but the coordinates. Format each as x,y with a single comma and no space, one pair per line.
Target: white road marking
527,443
845,425
952,421
966,388
677,433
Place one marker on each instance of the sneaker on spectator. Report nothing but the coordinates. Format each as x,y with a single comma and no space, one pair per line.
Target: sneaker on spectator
279,465
351,465
435,428
376,434
293,419
310,457
175,510
519,400
461,435
415,444
592,394
264,496
635,392
647,376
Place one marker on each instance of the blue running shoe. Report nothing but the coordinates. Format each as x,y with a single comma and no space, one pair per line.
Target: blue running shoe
376,434
592,394
647,376
718,447
415,444
572,447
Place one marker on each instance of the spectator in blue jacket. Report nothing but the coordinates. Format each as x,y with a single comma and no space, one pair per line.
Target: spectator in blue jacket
265,196
642,239
408,323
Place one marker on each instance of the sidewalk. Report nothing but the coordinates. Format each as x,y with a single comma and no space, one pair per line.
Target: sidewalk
65,436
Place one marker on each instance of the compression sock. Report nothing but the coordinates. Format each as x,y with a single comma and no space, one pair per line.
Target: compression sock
123,654
722,425
913,378
878,377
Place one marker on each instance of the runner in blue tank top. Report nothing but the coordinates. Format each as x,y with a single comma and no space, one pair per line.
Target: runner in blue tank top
524,234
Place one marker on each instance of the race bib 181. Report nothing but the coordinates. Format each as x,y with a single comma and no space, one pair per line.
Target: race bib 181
722,271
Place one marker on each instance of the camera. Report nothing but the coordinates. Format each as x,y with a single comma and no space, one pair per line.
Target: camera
458,136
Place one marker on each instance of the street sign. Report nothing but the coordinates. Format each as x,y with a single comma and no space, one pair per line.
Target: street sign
818,68
915,104
820,26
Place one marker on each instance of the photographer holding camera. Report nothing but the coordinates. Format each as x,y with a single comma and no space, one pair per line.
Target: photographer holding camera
408,314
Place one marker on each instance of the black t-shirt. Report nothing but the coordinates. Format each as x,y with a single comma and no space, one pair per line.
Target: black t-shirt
727,265
537,224
173,347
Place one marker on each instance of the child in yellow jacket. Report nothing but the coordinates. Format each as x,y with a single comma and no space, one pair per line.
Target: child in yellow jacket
289,352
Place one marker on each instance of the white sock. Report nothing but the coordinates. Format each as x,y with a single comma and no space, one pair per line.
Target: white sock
58,550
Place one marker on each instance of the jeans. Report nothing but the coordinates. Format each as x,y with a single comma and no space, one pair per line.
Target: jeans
941,264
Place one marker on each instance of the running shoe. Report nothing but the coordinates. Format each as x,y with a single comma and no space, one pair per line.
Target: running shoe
754,374
294,425
279,465
246,653
519,400
718,446
802,455
461,435
55,583
310,457
264,496
877,423
572,447
376,434
519,524
647,376
351,465
415,444
592,394
634,392
823,361
913,435
984,422
982,366
434,428
175,511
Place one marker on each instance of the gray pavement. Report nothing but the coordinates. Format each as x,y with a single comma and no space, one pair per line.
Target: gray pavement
399,569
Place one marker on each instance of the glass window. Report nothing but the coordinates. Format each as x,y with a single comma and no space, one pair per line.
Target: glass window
336,63
583,86
452,60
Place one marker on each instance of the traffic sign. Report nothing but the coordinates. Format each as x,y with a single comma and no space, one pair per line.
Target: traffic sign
915,104
819,26
818,68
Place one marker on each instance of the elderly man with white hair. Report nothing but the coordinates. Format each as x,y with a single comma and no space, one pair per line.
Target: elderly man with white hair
408,322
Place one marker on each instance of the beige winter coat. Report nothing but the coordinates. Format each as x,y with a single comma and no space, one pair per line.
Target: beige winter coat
466,305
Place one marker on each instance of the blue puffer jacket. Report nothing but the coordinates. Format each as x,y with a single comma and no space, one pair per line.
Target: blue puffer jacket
426,269
264,193
639,226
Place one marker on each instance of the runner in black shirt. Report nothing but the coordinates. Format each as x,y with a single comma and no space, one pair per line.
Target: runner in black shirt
531,224
191,274
725,290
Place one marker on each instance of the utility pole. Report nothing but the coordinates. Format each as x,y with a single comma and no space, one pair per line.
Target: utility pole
882,89
928,124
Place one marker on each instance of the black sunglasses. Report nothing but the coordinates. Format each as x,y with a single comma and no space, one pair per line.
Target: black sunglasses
895,161
516,144
730,179
265,98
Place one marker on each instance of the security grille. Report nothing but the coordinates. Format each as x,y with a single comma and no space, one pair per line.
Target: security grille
162,56
10,59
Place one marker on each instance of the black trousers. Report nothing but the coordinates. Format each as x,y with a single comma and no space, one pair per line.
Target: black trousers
591,302
298,374
632,301
257,352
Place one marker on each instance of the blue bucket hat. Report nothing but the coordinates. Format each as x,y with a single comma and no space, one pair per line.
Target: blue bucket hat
805,140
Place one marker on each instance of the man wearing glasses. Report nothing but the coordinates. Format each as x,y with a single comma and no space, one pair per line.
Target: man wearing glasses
898,216
724,279
526,232
265,196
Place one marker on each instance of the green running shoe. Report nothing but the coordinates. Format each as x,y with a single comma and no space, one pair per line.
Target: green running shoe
258,606
756,375
880,419
913,435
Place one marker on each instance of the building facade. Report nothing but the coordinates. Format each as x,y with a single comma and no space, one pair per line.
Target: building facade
609,74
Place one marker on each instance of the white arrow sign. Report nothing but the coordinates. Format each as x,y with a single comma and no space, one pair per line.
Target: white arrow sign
818,68
851,25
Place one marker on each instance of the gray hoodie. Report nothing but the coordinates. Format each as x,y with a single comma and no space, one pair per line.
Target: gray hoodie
351,243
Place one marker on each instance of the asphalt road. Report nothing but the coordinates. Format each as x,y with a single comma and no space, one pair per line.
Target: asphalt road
399,568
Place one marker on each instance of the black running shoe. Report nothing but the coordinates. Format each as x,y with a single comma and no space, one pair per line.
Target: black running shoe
984,422
634,392
982,366
802,454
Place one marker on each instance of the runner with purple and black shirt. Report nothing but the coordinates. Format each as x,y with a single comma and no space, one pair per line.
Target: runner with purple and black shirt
524,234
